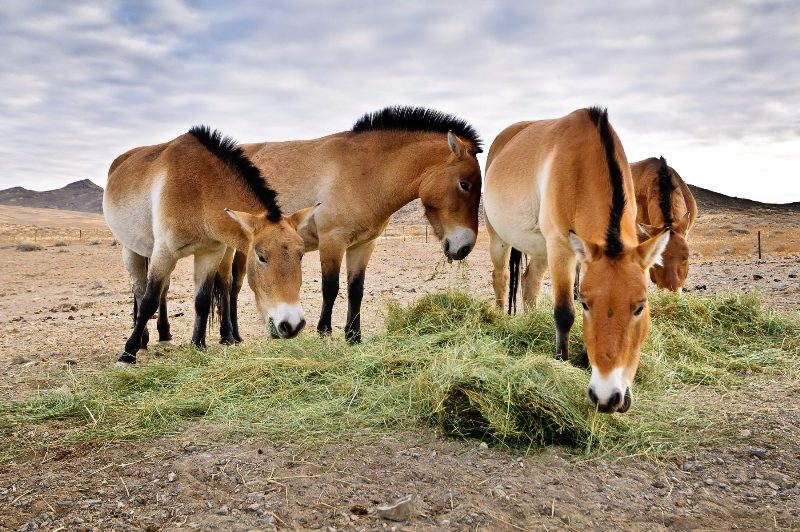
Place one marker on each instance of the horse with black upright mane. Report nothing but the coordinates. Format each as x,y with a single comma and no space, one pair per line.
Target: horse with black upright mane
199,195
360,178
664,200
558,190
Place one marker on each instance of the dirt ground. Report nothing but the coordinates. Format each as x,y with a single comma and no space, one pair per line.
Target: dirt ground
69,306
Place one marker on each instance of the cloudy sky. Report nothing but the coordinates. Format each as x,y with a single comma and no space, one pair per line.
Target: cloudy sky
713,86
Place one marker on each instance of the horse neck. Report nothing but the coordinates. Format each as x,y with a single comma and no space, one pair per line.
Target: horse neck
237,197
398,180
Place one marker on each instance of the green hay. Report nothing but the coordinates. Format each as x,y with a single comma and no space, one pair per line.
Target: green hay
448,361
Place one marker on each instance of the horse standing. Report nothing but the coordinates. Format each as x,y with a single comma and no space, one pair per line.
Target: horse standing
664,200
557,190
176,199
360,178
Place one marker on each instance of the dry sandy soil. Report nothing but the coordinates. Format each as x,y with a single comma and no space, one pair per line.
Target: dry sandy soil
69,306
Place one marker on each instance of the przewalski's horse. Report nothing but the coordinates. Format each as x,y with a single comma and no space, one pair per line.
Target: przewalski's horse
557,190
362,176
664,201
199,195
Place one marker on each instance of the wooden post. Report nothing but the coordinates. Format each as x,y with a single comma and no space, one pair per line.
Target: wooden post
426,233
759,245
404,233
80,234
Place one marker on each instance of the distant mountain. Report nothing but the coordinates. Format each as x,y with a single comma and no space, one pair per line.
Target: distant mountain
708,200
81,195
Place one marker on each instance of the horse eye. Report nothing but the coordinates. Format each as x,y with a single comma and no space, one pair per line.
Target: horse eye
465,186
262,259
585,306
638,311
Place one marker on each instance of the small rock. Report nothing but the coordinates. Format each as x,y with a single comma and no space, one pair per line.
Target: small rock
254,507
357,509
757,277
773,486
31,525
18,360
658,484
708,481
222,510
171,476
483,446
744,434
498,491
71,317
399,510
758,453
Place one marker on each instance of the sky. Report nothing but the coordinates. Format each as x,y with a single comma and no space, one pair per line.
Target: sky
713,86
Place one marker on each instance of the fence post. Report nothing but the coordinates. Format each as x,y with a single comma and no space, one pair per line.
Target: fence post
759,245
426,233
404,233
80,234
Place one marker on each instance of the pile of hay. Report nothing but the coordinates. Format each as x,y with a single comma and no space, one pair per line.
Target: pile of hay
448,361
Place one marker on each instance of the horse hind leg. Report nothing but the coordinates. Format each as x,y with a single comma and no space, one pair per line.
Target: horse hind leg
499,251
238,270
206,265
330,255
534,273
357,260
222,291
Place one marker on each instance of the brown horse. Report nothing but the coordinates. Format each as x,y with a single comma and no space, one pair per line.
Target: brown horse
363,176
664,201
171,200
556,190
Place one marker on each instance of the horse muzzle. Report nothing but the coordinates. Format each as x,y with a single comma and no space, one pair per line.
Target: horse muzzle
288,321
458,243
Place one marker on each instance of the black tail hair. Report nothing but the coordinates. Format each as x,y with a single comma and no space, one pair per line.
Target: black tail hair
513,279
614,247
665,188
228,151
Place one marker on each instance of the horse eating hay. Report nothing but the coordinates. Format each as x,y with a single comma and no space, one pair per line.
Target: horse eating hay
363,176
199,195
664,201
557,190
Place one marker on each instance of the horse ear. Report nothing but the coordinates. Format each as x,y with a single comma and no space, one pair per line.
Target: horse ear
647,231
299,219
649,252
249,222
585,251
456,144
683,225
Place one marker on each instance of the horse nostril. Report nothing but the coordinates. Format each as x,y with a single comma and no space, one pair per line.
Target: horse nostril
285,328
626,401
462,252
301,325
592,396
613,403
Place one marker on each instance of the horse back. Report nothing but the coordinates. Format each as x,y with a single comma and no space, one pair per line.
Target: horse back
650,207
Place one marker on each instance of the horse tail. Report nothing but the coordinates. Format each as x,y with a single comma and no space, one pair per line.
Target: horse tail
216,300
513,279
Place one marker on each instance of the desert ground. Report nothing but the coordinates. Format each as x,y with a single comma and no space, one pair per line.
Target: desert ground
66,308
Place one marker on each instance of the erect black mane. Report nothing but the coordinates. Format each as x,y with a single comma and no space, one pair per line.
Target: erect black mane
229,152
417,119
614,247
665,188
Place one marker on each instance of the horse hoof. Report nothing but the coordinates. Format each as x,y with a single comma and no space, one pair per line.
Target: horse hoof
165,342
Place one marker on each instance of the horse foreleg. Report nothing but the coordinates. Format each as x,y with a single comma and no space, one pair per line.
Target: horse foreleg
161,265
330,256
499,251
357,260
238,271
222,288
205,270
137,268
162,324
561,260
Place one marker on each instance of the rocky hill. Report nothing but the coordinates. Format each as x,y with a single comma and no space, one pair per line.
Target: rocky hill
82,196
708,200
